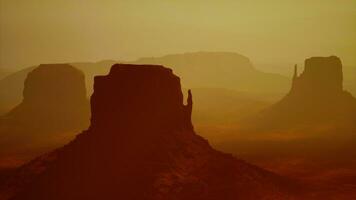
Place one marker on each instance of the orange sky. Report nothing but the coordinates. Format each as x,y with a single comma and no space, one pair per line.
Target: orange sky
275,31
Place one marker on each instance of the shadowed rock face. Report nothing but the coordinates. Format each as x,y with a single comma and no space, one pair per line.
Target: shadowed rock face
316,99
160,105
54,106
54,98
322,76
141,145
317,95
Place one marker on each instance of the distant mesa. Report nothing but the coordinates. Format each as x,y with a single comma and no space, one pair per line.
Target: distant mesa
54,97
141,145
221,70
12,86
54,102
213,69
322,76
316,98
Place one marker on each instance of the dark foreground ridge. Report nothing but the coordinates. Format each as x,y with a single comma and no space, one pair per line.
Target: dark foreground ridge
141,145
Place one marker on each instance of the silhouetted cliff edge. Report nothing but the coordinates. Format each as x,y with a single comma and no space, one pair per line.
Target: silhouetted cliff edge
141,145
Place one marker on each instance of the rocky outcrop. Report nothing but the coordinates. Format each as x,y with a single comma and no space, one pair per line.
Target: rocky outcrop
316,99
54,104
12,86
322,76
159,108
54,98
141,145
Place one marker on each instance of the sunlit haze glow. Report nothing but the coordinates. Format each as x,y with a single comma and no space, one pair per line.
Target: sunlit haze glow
276,31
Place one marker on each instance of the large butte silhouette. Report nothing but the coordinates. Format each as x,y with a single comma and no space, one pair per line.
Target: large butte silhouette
54,102
141,144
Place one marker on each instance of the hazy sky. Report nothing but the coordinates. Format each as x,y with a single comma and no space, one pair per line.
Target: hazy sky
267,31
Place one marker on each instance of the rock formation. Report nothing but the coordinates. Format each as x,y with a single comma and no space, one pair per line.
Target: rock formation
160,109
309,133
54,97
216,70
322,76
316,98
11,86
141,145
54,101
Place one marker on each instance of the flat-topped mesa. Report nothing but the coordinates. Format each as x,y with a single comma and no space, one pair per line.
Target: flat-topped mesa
322,75
139,97
54,83
54,96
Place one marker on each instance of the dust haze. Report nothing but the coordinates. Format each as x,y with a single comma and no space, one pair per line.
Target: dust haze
276,32
202,100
